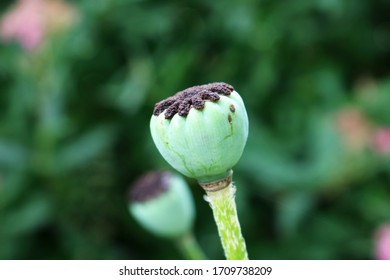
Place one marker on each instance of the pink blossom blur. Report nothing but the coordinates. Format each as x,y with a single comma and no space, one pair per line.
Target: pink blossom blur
382,237
381,141
354,128
24,24
29,21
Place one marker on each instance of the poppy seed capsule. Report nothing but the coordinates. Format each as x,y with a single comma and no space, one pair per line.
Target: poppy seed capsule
201,131
162,203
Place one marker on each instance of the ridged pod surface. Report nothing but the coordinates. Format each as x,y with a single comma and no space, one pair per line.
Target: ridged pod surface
201,131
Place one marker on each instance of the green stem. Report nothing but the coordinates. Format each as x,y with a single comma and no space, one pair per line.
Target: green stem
190,247
225,214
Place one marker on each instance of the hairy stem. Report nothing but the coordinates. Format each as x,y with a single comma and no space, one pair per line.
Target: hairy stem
190,247
225,214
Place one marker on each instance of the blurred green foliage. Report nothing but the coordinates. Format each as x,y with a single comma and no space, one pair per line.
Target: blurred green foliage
74,130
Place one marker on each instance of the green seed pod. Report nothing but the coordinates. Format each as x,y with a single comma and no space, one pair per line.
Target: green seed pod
162,203
201,131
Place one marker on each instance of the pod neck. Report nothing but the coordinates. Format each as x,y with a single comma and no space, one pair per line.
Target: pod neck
215,186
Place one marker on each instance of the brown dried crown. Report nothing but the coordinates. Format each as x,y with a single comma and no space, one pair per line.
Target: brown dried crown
150,186
195,97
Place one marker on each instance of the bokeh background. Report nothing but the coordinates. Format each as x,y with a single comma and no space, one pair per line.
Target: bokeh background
78,82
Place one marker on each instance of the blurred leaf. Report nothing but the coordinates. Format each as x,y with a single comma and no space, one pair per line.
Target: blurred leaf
130,94
292,208
85,148
12,155
29,216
